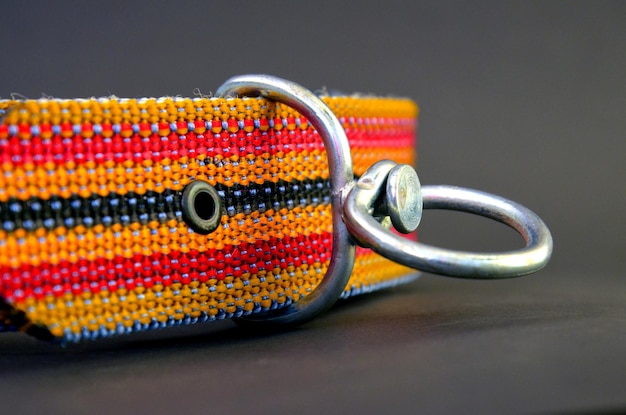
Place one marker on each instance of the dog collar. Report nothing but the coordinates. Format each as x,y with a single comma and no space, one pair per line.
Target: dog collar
123,215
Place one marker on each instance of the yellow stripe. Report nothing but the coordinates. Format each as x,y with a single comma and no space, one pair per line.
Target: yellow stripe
367,107
151,110
84,180
110,177
107,309
371,268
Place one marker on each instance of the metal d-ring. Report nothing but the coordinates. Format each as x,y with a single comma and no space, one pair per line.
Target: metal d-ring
340,173
359,208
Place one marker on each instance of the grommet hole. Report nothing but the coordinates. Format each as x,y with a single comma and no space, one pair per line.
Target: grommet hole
204,205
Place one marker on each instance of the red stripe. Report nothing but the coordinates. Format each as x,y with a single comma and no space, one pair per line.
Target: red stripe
17,284
78,149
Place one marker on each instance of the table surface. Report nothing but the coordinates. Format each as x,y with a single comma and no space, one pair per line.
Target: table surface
538,344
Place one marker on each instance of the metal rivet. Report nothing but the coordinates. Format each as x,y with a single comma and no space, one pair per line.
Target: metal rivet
202,207
404,198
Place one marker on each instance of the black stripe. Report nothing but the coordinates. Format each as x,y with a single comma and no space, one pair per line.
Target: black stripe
36,213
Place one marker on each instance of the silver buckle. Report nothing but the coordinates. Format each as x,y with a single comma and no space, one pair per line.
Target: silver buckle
389,192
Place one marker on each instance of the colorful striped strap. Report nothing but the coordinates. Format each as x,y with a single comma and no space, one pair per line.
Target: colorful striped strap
94,240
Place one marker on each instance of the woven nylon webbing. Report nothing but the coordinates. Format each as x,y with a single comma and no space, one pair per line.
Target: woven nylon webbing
92,238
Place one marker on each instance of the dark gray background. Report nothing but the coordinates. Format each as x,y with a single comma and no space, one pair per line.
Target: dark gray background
525,99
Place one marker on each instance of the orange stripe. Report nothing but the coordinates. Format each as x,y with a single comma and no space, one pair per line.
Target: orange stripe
90,178
61,244
93,311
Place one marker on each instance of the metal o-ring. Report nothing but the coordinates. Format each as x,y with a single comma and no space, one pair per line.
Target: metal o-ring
369,233
201,206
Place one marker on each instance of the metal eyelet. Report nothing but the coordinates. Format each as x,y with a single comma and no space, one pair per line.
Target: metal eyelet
202,207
